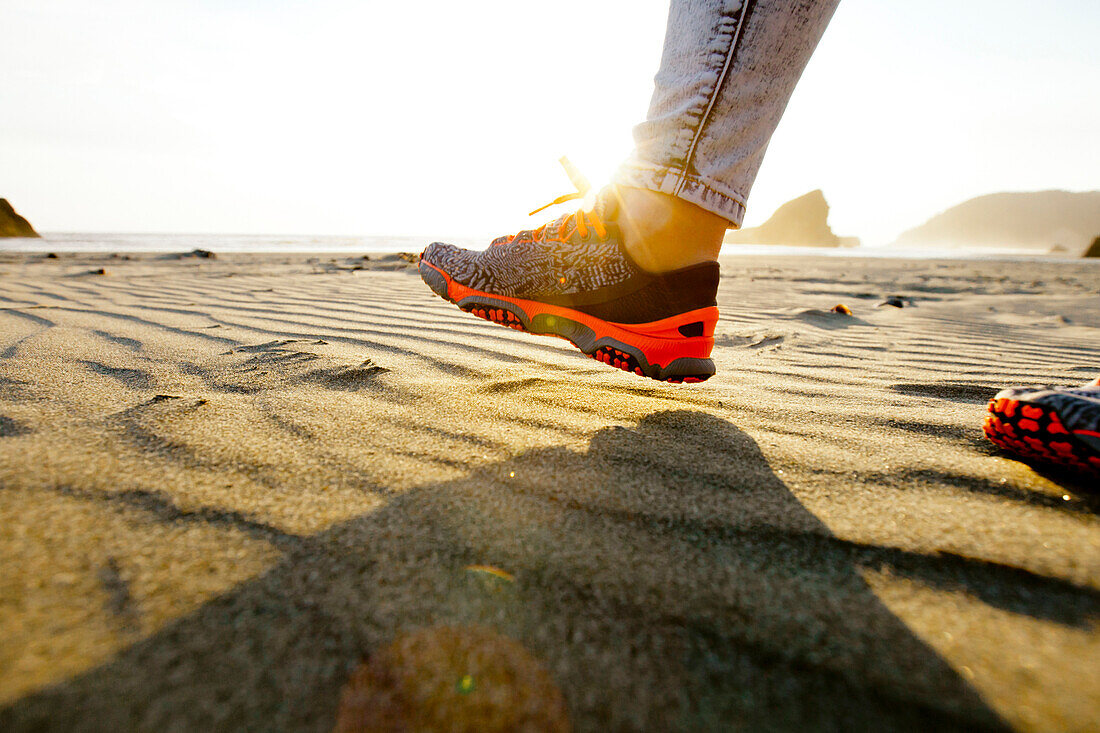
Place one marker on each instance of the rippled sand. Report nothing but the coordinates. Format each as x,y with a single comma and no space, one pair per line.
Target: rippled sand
224,483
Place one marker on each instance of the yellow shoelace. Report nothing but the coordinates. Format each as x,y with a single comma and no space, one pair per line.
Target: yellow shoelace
581,218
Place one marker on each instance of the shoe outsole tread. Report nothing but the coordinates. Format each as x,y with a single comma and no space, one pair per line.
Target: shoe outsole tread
1035,432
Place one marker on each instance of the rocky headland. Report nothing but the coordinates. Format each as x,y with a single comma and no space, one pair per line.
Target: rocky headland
1058,221
12,224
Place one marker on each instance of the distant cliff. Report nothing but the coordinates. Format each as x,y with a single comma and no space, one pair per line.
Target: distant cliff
13,225
1039,219
803,221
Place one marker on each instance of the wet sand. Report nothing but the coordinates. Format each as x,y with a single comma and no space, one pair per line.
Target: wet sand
226,482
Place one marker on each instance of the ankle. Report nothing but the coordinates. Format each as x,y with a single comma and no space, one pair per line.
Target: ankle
663,233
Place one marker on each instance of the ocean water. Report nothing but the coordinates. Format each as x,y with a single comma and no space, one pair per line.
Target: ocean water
136,242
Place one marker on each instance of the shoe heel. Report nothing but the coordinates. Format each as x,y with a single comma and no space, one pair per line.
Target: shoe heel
675,349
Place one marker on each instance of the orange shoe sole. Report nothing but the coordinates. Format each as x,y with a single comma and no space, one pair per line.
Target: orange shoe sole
658,350
1036,433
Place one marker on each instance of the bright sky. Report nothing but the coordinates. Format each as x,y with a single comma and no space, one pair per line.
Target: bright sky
443,118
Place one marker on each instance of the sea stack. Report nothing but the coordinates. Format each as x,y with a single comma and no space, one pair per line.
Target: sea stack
1094,249
803,221
13,225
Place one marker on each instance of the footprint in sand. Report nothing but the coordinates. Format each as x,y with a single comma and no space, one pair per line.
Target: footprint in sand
274,364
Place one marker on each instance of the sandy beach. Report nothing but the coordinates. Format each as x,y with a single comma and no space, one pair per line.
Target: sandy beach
224,483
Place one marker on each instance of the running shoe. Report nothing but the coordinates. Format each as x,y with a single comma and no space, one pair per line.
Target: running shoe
573,278
1060,426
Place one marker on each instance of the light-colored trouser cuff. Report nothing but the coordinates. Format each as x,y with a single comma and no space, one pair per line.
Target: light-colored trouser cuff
692,189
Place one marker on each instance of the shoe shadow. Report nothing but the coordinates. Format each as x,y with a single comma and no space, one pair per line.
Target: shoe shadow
666,576
1079,486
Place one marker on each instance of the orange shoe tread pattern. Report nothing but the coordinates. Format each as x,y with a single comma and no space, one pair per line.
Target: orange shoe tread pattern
659,341
1036,433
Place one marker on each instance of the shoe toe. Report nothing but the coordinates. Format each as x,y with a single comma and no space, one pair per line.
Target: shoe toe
459,264
447,256
437,253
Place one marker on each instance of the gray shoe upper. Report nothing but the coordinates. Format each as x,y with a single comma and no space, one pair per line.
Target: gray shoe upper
559,262
1077,408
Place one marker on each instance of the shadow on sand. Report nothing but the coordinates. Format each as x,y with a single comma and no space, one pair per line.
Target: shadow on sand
666,577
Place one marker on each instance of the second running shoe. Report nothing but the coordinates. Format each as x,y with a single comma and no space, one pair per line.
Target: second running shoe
573,278
1048,425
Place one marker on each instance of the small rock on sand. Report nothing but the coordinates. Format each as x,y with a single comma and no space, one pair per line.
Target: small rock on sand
203,253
